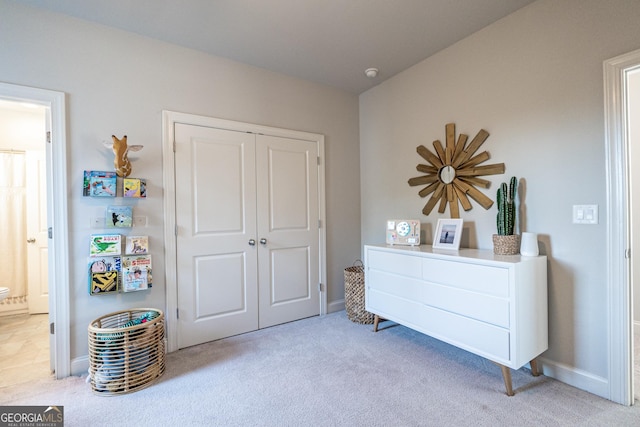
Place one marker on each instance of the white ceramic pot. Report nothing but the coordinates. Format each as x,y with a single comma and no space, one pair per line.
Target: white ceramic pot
529,244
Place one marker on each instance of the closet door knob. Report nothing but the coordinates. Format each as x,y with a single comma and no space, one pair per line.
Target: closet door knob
263,241
252,242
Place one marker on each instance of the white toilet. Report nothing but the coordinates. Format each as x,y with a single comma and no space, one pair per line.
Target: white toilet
4,292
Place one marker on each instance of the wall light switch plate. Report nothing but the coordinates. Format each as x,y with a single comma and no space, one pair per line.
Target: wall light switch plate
585,214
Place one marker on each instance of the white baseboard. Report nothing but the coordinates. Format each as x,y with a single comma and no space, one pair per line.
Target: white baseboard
575,377
334,306
17,312
14,309
80,366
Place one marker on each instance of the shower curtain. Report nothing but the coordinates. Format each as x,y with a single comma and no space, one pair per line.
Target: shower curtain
13,226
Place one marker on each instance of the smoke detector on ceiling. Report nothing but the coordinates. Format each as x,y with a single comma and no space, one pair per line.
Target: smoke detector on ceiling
371,72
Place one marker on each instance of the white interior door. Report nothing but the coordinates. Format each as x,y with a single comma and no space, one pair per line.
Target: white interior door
215,218
37,239
288,256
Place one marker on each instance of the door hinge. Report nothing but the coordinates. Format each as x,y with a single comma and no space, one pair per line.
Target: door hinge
49,136
319,287
318,160
52,328
174,146
177,313
50,232
175,231
319,223
627,253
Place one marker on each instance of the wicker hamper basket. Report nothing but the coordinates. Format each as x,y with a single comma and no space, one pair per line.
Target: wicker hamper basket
354,295
126,351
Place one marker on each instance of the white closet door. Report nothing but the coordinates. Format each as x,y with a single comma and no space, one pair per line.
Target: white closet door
288,231
216,219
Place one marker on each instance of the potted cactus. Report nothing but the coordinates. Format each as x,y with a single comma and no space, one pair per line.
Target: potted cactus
505,242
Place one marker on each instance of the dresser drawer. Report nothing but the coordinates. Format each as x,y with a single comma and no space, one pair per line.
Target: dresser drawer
396,263
477,278
483,307
473,305
391,307
402,286
478,337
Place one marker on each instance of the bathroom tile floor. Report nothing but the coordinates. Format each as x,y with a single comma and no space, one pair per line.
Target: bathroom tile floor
24,348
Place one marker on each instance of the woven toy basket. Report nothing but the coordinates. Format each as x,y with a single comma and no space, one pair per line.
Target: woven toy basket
126,351
354,294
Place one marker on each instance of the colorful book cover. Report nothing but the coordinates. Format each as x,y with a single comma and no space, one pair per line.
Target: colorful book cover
134,187
137,245
119,216
105,244
99,184
136,273
104,275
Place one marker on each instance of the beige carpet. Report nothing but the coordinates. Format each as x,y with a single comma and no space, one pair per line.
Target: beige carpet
328,371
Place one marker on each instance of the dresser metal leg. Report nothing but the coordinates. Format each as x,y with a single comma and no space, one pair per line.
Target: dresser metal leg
534,368
376,320
506,375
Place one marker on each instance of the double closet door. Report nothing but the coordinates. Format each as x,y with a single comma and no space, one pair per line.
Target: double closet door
247,232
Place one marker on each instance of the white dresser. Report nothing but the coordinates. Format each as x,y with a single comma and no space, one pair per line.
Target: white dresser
492,305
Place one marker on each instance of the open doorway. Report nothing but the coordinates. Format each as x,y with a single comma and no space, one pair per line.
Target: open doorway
55,231
24,308
620,223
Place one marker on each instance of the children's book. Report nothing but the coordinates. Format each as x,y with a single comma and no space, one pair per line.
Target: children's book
119,216
104,275
134,187
99,184
136,272
105,244
137,245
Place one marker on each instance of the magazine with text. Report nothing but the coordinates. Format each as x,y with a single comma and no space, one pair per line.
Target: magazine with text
136,273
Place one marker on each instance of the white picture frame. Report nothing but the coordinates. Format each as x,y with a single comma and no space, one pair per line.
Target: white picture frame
448,234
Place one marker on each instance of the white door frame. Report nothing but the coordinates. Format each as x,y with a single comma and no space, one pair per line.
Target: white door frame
57,216
169,119
618,227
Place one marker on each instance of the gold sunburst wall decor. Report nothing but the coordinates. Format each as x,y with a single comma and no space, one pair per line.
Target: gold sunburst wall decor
451,175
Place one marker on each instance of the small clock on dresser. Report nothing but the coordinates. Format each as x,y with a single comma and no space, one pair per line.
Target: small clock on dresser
403,232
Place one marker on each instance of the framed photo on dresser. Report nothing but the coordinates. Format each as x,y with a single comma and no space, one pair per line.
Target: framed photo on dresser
447,235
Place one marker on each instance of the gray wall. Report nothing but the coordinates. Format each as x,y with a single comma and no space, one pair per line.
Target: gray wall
119,83
534,81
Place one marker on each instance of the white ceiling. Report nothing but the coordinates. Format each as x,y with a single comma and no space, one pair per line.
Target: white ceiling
330,42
